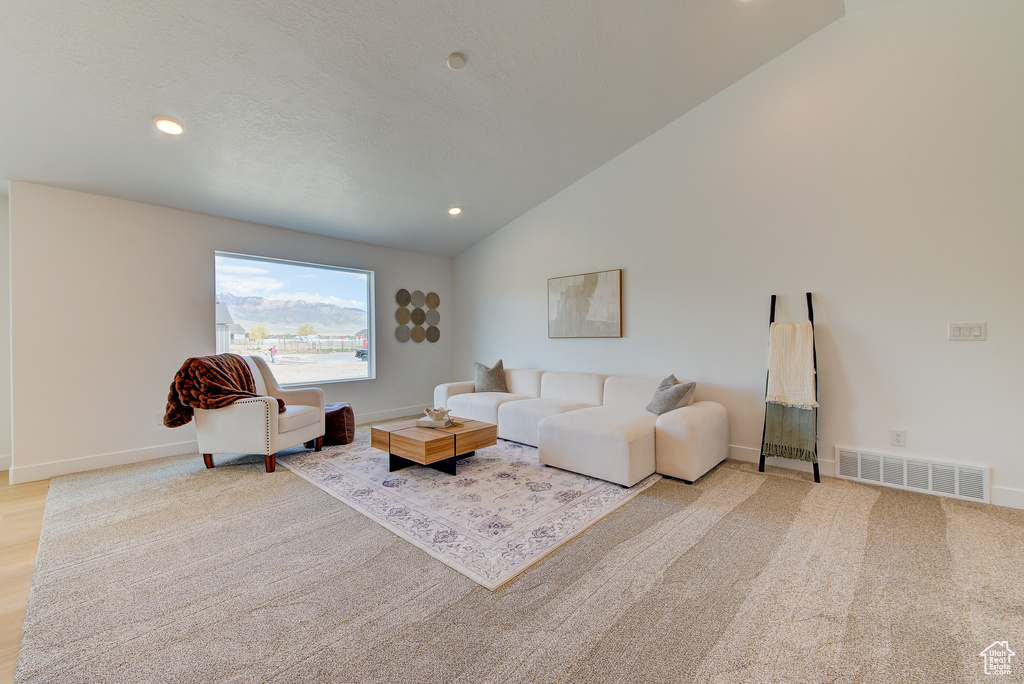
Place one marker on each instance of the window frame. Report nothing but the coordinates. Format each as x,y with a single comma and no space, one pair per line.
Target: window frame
370,308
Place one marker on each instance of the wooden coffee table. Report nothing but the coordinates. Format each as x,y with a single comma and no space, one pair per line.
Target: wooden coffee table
437,448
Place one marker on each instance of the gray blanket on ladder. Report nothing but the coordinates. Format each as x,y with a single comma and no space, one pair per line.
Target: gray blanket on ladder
790,432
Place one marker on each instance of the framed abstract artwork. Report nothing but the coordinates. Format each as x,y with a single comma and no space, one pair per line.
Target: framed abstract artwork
587,305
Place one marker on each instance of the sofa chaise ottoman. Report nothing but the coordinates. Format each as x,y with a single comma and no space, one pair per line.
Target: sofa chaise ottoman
560,392
621,441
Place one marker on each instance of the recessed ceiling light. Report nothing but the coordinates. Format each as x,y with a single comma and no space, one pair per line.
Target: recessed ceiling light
456,60
168,125
455,211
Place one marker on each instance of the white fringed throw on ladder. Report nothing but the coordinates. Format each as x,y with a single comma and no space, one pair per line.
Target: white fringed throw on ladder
791,365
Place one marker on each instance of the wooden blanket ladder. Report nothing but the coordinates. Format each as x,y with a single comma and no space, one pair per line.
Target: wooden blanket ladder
810,317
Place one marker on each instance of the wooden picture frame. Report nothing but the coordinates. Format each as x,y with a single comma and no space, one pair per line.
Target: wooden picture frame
586,305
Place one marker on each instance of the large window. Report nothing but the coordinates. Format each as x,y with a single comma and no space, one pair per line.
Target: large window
311,323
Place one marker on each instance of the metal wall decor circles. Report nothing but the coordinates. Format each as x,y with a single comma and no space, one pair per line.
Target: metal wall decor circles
417,316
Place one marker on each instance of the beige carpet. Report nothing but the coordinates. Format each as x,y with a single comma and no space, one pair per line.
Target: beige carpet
164,571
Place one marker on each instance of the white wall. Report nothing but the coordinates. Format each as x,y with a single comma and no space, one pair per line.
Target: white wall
5,336
140,279
877,164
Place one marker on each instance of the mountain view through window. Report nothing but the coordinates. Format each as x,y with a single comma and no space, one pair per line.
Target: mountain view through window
310,322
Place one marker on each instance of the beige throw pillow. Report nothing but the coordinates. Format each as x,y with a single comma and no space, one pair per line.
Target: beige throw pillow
490,379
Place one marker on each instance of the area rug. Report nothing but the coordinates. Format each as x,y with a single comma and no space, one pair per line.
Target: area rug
502,512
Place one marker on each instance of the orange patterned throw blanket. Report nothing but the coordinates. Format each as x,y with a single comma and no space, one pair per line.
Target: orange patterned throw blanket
208,382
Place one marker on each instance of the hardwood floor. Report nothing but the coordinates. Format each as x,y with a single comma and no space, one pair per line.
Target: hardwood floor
21,519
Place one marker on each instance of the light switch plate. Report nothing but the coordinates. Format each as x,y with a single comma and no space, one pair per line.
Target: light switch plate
968,332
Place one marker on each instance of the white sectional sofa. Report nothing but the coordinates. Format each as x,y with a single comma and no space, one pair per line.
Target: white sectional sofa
597,425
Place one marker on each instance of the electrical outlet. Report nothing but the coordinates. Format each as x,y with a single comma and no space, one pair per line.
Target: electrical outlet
898,438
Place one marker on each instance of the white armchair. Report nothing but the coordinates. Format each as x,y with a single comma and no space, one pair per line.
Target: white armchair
256,426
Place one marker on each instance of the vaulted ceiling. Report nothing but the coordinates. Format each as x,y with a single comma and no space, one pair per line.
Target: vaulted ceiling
342,118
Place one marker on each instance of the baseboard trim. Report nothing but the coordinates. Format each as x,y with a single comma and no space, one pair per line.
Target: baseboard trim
827,468
373,417
1001,496
43,471
1004,496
